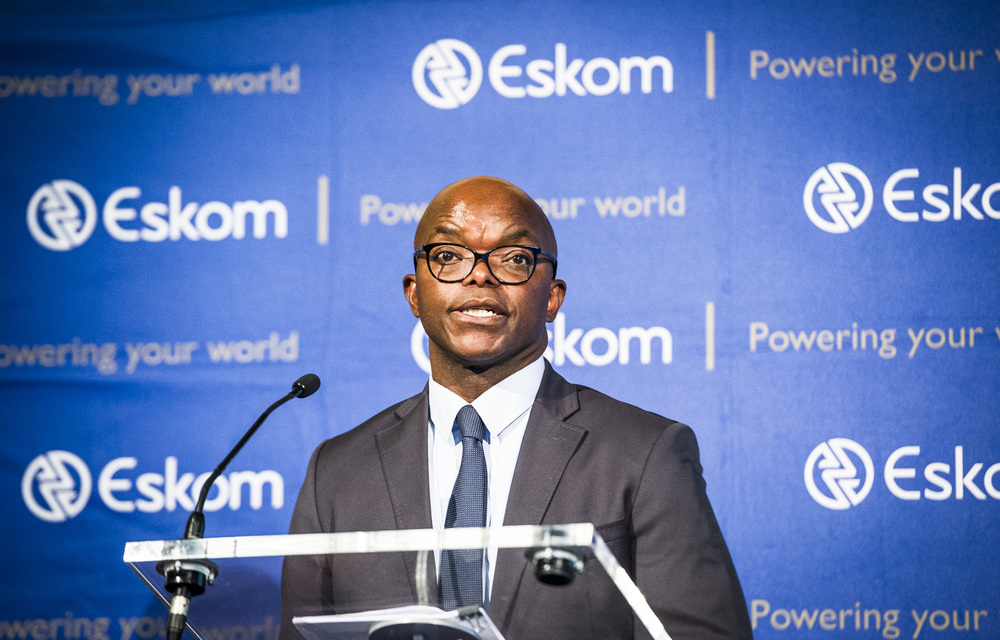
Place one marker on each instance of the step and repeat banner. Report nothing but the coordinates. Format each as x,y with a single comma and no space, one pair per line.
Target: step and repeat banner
777,223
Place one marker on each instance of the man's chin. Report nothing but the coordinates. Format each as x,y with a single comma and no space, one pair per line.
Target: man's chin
473,357
480,361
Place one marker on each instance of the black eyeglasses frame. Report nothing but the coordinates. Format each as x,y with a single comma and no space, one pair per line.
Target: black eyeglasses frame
535,251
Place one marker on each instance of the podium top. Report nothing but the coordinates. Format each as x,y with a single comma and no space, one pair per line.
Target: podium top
518,537
580,538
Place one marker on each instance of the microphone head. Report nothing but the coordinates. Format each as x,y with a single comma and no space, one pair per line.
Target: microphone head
306,385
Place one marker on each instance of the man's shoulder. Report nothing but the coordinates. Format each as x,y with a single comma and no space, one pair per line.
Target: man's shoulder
364,433
592,400
597,411
616,430
399,411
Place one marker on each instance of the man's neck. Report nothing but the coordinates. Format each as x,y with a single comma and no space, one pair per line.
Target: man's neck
470,382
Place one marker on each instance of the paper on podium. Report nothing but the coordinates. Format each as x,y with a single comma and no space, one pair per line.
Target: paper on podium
355,626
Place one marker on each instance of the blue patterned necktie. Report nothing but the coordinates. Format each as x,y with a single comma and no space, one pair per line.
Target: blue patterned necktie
461,574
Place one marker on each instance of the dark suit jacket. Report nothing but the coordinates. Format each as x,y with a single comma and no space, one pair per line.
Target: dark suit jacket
585,457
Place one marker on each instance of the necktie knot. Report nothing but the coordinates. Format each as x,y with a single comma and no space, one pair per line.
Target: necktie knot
470,424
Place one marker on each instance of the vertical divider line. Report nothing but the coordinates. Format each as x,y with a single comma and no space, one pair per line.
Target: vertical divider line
710,336
323,210
710,65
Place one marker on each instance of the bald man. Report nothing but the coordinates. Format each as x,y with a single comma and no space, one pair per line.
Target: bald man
484,286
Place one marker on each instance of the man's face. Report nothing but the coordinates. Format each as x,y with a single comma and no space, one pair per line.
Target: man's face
479,323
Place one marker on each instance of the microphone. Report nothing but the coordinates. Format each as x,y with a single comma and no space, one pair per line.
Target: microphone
305,386
187,579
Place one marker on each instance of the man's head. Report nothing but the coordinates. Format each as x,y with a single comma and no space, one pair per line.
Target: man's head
478,326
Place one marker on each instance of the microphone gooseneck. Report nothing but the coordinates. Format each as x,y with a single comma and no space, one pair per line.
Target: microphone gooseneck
187,579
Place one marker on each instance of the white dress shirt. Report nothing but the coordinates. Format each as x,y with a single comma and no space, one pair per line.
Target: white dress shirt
504,408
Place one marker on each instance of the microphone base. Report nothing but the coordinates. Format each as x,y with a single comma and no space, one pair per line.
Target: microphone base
185,579
191,575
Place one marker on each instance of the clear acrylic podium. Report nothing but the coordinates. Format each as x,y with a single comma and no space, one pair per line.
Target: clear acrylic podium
244,602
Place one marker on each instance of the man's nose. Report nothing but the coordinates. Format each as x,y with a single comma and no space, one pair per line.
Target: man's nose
481,274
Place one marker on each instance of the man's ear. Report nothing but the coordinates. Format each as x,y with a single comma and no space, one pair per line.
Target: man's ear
410,291
557,291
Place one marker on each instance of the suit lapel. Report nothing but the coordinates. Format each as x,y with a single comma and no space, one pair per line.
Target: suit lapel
548,445
402,450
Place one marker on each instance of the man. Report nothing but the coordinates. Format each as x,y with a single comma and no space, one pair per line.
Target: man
483,287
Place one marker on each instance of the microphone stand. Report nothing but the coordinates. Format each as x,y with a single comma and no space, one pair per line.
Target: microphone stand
187,579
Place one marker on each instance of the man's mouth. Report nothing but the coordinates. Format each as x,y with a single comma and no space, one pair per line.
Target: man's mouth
481,309
479,313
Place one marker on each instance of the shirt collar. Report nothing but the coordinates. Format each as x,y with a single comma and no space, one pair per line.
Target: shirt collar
499,406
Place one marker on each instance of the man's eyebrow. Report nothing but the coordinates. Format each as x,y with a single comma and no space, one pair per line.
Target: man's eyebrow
442,230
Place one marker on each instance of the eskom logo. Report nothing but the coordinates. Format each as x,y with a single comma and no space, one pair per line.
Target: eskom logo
56,486
839,473
838,198
447,74
56,205
956,479
454,82
837,186
597,347
63,226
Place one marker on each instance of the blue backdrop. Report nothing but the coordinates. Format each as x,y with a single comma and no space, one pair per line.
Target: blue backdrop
778,223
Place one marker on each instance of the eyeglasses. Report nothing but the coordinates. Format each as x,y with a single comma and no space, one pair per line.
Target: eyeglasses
511,264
